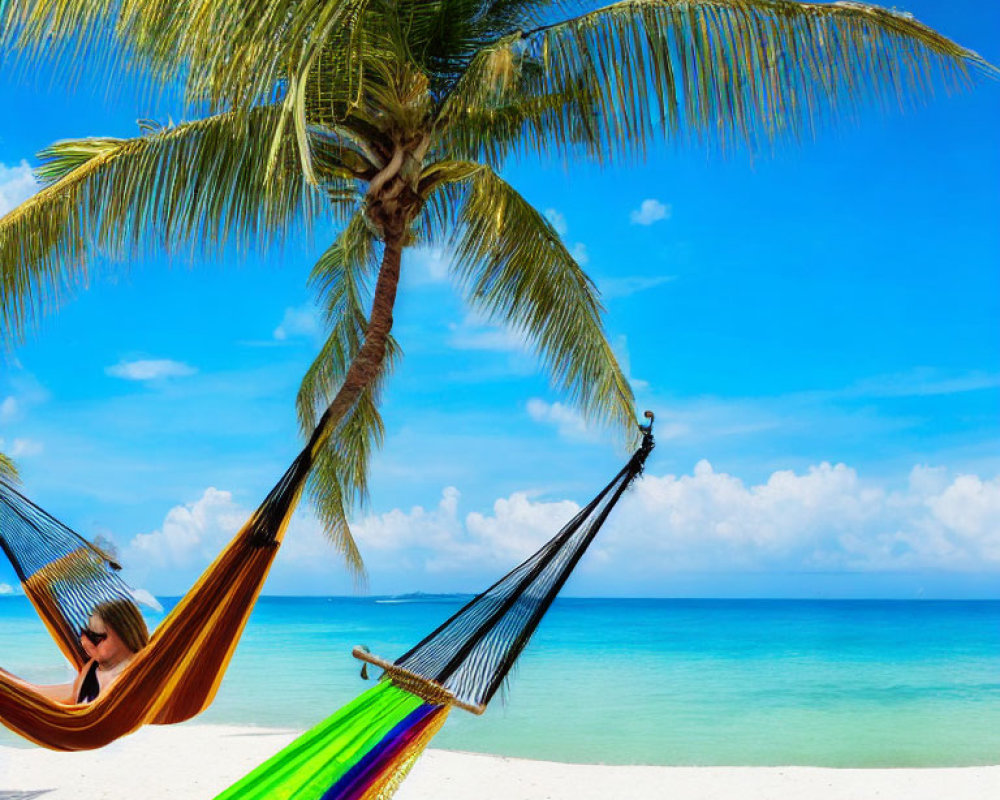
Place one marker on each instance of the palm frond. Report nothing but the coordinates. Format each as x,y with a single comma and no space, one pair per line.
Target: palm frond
518,117
515,269
505,16
341,279
442,187
200,184
69,29
338,481
743,71
8,469
227,53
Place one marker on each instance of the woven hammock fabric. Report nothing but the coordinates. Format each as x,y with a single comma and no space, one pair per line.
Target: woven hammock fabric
471,653
62,573
177,675
364,751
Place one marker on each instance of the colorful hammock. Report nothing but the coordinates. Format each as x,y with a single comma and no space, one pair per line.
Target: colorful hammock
365,749
178,673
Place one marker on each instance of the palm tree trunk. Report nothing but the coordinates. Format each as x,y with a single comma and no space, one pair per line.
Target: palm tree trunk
367,364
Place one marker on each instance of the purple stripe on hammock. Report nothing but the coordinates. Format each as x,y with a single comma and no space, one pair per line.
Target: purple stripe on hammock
359,778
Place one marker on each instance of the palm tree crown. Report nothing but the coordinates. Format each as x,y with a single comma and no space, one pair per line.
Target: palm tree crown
395,117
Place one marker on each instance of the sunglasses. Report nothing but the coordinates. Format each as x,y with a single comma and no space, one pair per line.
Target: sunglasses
93,637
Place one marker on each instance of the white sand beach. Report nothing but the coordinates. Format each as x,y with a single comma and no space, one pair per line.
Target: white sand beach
195,762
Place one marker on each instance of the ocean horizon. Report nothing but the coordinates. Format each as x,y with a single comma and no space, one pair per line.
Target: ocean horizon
701,682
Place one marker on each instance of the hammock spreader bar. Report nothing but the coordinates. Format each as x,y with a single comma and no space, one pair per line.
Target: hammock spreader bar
364,751
472,652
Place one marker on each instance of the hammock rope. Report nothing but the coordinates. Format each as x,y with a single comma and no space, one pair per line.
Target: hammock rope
59,569
364,750
177,675
472,652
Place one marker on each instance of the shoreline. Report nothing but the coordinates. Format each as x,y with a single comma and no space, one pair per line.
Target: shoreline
195,762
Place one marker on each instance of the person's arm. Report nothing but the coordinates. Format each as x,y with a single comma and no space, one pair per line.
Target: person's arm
61,693
66,693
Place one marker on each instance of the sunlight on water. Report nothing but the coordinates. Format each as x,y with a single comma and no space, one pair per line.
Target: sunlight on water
643,681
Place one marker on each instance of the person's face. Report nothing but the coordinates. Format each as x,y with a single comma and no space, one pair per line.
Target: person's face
100,641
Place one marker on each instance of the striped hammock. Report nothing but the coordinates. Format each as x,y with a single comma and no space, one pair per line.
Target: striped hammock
365,749
177,674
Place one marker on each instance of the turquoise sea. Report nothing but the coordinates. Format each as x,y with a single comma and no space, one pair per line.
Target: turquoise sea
681,682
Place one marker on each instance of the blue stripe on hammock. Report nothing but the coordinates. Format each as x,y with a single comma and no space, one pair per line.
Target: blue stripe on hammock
359,772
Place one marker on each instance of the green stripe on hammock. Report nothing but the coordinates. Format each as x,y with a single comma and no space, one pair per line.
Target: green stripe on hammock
314,762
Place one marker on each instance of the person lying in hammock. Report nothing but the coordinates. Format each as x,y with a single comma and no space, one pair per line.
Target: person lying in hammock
115,632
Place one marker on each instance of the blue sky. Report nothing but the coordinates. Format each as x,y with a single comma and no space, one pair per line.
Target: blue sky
816,330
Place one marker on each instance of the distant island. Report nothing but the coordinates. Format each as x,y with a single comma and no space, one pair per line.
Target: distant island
425,597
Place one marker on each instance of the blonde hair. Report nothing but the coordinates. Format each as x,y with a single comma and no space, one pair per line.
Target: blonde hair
124,617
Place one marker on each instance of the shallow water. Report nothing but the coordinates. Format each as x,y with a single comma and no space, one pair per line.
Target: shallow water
694,682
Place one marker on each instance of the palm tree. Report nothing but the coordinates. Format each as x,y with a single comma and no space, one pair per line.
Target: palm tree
394,119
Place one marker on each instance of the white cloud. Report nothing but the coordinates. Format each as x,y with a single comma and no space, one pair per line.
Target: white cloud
419,527
426,264
428,540
23,393
580,254
826,518
20,448
628,285
17,184
920,382
557,220
8,408
476,333
928,480
518,526
969,509
150,369
440,540
569,421
191,535
298,322
6,588
650,211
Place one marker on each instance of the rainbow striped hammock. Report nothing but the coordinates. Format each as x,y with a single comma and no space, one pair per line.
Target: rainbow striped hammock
365,749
